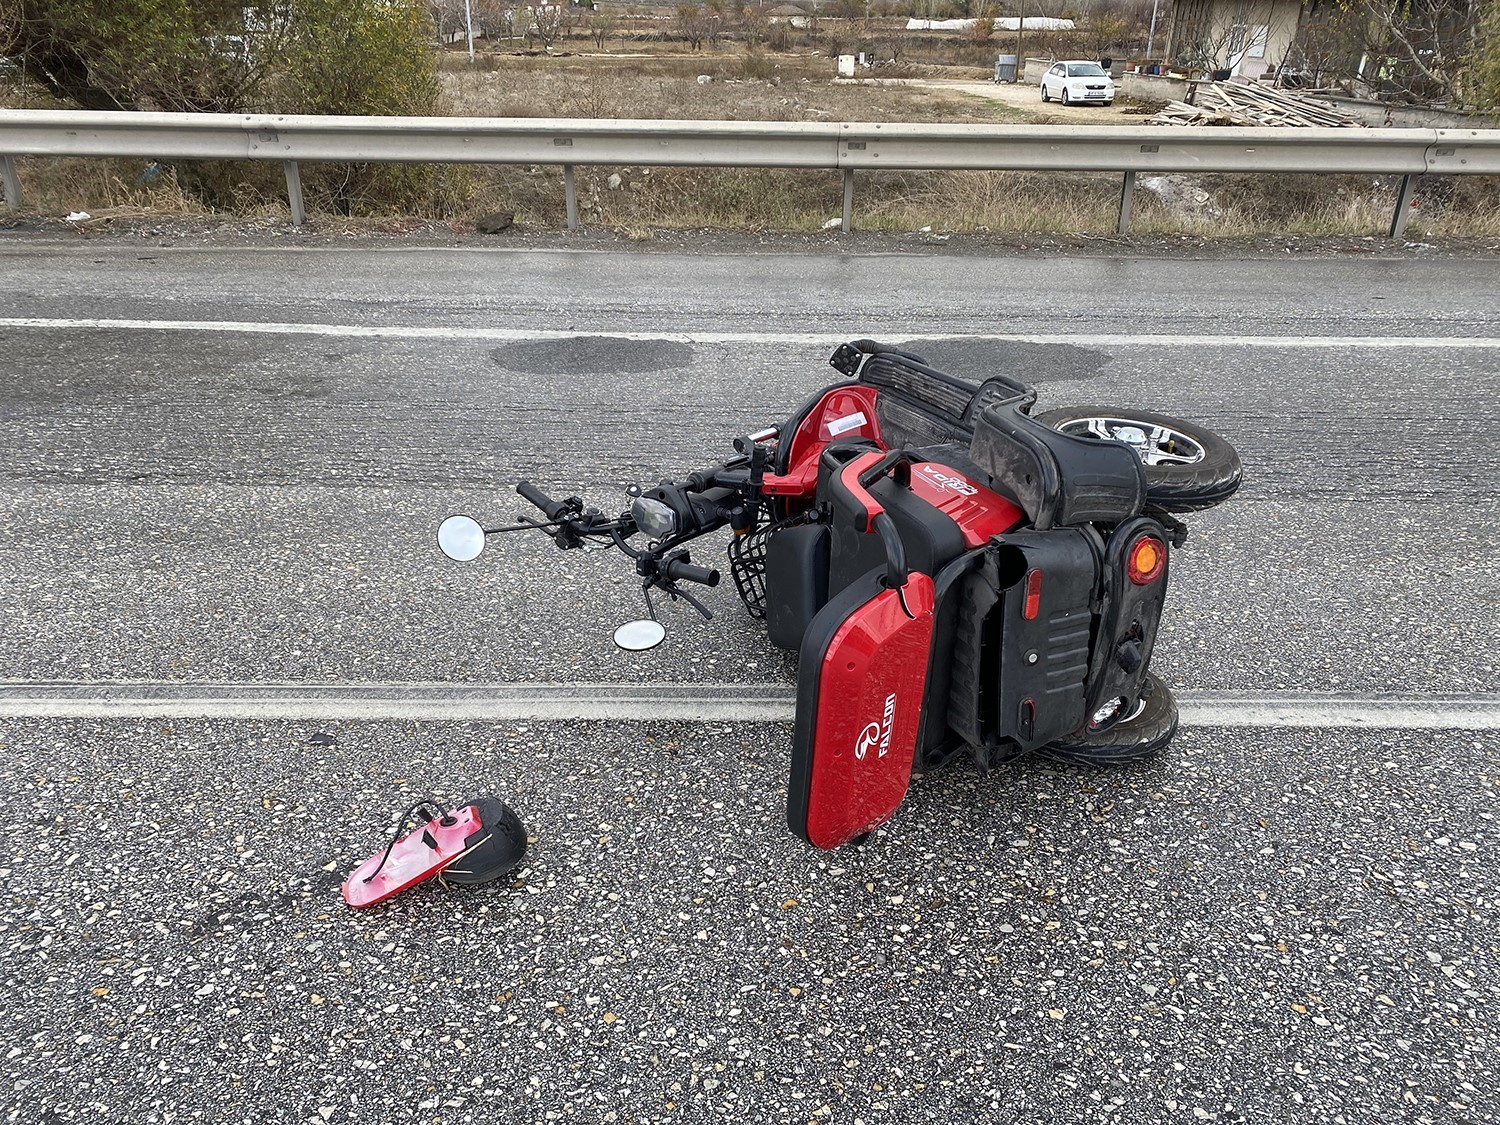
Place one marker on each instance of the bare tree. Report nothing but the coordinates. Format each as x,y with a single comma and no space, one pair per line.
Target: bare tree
1327,48
753,22
522,23
602,25
1105,25
547,24
491,18
10,25
697,23
1414,48
447,19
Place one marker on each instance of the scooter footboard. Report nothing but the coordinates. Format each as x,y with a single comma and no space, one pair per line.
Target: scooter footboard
861,680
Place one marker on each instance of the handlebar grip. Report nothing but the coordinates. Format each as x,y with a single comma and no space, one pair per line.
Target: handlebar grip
679,570
534,495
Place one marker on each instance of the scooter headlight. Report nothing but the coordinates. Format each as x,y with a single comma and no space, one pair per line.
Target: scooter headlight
654,518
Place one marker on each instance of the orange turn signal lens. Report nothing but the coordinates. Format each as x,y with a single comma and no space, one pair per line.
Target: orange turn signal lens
1148,558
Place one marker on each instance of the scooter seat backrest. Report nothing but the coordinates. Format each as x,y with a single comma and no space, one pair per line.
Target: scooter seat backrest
917,405
1057,479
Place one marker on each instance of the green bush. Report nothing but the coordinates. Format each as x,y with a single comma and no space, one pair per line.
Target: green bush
358,56
304,56
189,55
364,57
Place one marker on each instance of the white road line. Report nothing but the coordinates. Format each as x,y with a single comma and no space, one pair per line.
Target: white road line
814,339
707,702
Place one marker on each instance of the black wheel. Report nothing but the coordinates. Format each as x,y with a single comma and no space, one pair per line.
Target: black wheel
1110,102
1045,96
1135,738
1188,468
1065,98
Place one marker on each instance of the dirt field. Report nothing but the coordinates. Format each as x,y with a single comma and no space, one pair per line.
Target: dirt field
1027,99
759,88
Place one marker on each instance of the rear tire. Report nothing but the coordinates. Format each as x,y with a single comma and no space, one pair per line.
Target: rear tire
1136,739
1046,97
1207,479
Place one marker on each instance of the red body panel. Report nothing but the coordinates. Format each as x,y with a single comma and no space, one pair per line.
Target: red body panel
979,513
849,474
869,712
844,412
412,859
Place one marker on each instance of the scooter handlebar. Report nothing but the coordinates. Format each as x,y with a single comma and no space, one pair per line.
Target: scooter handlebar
534,495
680,570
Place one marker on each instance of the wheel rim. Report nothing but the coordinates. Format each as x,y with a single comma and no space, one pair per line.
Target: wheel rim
1112,708
1154,444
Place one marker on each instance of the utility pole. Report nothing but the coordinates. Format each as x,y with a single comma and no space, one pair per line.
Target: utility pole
1151,35
469,25
1020,32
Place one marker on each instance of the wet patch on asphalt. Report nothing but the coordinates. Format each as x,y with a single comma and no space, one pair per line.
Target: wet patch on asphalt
593,355
978,360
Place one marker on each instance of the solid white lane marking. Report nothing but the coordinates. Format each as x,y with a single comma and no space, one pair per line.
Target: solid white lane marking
812,339
707,702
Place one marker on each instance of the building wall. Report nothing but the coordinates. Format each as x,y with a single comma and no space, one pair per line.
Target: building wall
1245,37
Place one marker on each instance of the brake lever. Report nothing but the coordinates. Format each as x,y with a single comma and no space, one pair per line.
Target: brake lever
674,592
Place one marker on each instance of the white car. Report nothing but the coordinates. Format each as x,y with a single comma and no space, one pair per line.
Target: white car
1078,83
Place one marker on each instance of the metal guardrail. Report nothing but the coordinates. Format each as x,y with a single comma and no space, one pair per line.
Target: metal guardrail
845,147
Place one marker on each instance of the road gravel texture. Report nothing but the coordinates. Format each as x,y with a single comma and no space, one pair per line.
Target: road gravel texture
263,508
1288,928
1263,925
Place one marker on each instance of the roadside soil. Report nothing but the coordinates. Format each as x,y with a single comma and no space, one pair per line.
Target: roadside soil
188,231
1027,99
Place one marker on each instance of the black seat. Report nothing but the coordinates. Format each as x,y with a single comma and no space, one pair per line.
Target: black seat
1058,480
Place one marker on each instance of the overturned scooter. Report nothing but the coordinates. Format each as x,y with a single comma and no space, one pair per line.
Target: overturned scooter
954,572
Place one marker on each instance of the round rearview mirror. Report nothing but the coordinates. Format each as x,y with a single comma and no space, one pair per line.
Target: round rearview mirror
637,636
460,538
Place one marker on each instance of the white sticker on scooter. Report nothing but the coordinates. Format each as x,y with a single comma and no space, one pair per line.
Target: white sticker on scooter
848,422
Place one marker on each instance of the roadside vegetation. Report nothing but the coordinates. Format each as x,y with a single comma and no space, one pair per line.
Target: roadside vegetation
698,62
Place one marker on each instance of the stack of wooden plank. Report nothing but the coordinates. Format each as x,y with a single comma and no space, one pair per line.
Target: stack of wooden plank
1218,103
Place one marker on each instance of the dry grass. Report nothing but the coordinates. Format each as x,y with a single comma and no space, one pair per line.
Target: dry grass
668,90
60,186
769,88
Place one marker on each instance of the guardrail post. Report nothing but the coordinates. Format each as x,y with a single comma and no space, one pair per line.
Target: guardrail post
848,201
1127,189
12,182
570,188
294,192
1403,205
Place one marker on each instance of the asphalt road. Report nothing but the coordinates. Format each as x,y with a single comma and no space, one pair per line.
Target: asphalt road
1266,924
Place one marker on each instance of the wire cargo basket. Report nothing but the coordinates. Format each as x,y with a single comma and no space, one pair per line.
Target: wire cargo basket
747,561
